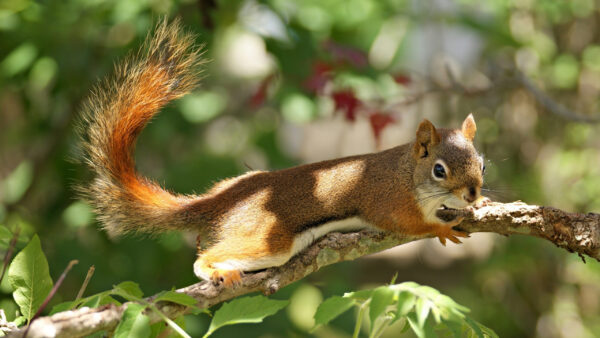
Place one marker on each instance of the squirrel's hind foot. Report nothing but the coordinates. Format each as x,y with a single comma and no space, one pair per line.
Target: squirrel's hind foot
225,277
229,278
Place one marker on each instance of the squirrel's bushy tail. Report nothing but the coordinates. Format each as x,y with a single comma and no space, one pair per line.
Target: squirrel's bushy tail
165,68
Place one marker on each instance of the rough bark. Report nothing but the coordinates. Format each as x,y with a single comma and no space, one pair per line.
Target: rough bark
579,233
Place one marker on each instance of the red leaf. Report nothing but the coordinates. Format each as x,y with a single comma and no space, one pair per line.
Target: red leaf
346,54
258,98
378,122
402,79
346,102
320,75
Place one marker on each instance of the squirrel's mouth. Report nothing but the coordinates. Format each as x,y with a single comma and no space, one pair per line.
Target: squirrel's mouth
444,207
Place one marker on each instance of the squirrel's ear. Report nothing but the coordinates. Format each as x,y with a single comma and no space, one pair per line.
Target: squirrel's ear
427,136
469,128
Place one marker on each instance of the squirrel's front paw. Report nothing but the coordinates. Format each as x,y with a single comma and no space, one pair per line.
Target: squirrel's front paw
446,232
482,201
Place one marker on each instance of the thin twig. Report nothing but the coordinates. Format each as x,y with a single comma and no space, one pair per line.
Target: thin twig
89,275
518,78
551,105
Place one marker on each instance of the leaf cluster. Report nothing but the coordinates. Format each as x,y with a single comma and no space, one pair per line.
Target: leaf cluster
420,308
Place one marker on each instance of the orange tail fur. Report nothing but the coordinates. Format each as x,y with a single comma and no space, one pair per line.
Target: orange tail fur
118,109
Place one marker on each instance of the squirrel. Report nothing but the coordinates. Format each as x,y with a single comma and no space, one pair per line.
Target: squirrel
261,219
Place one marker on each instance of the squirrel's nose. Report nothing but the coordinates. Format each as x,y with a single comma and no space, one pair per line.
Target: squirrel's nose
471,196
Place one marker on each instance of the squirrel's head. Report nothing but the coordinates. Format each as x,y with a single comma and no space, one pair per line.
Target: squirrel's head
449,170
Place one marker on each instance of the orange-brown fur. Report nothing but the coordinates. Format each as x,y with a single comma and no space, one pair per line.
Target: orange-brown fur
254,219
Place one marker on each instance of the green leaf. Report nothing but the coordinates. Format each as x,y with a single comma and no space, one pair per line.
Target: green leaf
406,301
134,323
381,299
128,290
480,330
435,311
196,311
487,331
455,328
409,286
331,308
99,300
158,329
64,306
445,301
29,277
5,234
245,310
394,278
475,327
422,308
361,295
414,325
20,320
92,301
176,297
429,331
405,325
163,330
180,321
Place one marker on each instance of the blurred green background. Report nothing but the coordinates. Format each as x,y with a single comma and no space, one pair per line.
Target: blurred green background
293,82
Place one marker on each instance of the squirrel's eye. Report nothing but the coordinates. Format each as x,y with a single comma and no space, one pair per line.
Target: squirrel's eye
438,171
483,169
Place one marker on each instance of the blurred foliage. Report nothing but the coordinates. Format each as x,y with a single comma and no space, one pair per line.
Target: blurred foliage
278,68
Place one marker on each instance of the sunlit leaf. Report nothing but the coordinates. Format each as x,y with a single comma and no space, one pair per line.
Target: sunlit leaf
422,307
406,301
414,325
29,276
134,323
245,310
128,290
361,295
381,299
331,308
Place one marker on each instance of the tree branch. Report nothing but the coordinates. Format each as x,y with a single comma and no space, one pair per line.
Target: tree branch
578,233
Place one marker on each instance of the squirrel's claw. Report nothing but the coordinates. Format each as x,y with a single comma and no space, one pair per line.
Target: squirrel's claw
444,233
482,201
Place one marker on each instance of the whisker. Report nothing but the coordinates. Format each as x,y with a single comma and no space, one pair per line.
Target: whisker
428,197
431,211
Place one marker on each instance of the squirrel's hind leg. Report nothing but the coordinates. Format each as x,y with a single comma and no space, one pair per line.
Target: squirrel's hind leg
224,262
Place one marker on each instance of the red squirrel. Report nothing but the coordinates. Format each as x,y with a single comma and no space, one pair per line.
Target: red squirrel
262,218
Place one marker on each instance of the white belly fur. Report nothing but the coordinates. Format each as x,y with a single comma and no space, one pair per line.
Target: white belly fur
302,241
309,236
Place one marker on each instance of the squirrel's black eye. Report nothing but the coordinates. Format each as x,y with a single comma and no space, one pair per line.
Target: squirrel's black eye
483,169
439,171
